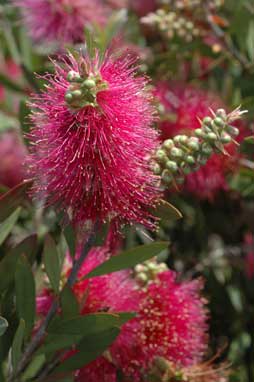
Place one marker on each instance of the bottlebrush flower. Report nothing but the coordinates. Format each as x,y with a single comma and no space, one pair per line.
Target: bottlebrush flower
13,154
92,141
170,321
183,106
61,21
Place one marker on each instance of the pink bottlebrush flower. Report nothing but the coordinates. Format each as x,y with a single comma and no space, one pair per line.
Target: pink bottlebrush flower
170,321
13,154
92,141
61,21
183,105
143,7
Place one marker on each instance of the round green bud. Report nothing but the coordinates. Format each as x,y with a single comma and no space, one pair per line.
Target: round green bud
89,83
177,138
162,364
203,161
161,156
183,139
190,160
193,144
142,278
73,76
168,144
219,122
225,138
76,93
166,177
68,97
207,121
172,166
234,131
187,170
206,149
221,113
176,153
199,133
211,137
157,169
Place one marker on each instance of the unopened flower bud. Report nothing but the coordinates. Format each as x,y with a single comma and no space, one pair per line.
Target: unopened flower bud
168,144
89,83
199,133
162,364
234,131
221,113
207,121
68,97
225,138
219,122
166,177
172,166
206,149
157,169
176,153
193,144
76,93
211,137
73,76
190,160
161,155
141,278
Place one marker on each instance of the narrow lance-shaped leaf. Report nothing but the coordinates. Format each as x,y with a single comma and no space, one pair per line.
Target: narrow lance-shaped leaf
25,293
70,238
52,263
16,350
8,224
69,304
3,325
8,263
128,259
14,198
89,349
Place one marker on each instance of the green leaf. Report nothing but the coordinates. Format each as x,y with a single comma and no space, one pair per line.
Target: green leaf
128,259
25,293
17,344
70,238
65,334
52,263
89,323
167,211
8,224
34,367
3,325
92,346
14,198
8,83
24,112
69,303
249,140
8,263
250,40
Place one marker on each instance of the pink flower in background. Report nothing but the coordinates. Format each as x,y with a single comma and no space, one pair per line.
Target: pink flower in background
170,321
61,21
91,153
10,69
142,7
13,154
183,105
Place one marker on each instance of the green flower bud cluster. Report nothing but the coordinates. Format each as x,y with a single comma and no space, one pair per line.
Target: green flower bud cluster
148,271
163,370
191,4
182,155
171,25
83,91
